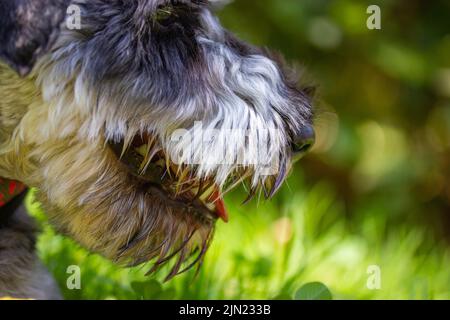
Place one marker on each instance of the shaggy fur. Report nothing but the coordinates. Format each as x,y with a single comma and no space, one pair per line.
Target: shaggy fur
21,273
135,74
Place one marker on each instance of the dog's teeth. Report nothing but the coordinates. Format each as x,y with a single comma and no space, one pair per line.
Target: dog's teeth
181,179
200,187
236,181
259,190
195,190
184,175
210,206
251,195
160,163
143,150
268,184
149,157
207,193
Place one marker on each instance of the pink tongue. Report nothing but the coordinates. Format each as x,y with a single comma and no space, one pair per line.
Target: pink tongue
221,210
220,207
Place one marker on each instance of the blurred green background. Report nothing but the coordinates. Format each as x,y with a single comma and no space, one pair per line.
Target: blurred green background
374,191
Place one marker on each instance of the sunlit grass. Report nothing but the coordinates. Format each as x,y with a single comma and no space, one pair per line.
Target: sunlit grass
270,249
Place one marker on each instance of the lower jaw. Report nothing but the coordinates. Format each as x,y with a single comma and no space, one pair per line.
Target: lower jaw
209,204
208,212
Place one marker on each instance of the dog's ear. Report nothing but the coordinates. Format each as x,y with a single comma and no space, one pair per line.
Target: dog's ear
28,29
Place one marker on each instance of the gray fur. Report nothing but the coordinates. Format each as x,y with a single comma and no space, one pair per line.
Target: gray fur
118,90
22,275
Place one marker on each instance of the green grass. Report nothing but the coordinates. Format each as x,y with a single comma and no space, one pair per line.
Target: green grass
269,250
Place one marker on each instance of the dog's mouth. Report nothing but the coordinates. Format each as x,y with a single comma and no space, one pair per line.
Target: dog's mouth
176,185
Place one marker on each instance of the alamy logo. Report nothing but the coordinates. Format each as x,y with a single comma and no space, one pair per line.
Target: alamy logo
74,280
73,20
374,279
193,147
374,20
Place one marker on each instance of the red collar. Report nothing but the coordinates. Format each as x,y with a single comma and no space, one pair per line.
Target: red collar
9,189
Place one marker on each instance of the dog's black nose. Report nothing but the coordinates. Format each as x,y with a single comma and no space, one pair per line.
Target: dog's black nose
303,142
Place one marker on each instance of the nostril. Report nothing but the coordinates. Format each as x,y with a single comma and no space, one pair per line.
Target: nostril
303,142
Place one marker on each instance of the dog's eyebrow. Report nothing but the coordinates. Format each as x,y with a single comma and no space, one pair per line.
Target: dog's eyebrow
28,28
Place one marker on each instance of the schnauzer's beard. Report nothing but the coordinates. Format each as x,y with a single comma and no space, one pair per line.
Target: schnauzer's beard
103,125
89,195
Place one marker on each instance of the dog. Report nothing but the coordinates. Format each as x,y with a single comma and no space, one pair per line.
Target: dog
96,119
